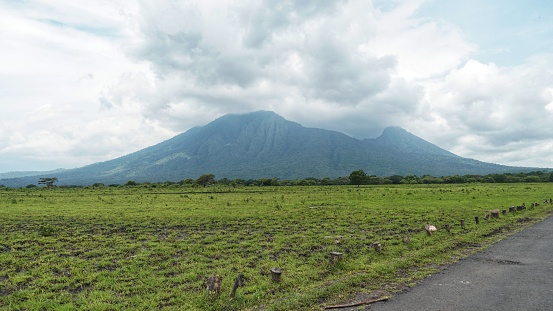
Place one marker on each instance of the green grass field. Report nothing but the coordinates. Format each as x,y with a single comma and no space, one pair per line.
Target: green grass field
146,248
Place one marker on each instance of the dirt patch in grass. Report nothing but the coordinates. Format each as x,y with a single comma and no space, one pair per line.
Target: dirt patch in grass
496,231
5,291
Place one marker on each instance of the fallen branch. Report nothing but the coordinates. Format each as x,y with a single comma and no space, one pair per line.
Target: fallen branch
355,304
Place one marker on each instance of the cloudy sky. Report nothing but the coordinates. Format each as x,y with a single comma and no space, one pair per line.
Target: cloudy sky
88,81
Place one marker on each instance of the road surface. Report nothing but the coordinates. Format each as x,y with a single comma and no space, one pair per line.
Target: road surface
513,274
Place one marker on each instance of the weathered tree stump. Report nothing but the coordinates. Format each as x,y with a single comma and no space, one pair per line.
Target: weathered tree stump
495,213
487,216
462,223
276,274
476,219
335,257
237,283
213,285
512,209
377,246
504,211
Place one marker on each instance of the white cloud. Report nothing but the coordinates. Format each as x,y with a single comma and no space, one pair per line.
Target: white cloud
235,64
53,68
497,114
85,82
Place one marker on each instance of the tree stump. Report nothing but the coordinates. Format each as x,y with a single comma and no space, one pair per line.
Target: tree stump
476,219
512,209
487,216
463,223
377,246
276,274
495,214
213,285
504,211
237,283
335,257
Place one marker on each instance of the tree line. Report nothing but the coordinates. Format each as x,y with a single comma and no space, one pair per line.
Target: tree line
358,177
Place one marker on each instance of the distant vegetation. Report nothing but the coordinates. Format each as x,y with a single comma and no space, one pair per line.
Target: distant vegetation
358,177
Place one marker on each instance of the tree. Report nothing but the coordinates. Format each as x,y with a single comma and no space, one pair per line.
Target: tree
206,179
268,181
396,179
48,181
410,179
357,177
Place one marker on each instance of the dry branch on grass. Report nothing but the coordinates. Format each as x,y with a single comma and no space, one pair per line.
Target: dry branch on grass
355,304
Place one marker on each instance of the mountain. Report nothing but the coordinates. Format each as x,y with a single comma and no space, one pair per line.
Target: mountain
263,144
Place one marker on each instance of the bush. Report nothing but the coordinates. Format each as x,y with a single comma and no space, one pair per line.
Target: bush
46,230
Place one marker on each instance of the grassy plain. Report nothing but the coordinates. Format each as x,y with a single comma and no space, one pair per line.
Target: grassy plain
145,248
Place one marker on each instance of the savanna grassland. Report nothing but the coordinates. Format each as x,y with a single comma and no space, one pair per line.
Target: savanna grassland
146,248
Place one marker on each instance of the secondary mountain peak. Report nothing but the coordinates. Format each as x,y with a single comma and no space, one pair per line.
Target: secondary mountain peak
401,140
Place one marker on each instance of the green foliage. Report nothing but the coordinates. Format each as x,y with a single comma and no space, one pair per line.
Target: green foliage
48,181
146,248
206,179
46,230
358,177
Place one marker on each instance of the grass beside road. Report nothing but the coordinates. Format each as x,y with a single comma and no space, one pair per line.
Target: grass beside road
153,248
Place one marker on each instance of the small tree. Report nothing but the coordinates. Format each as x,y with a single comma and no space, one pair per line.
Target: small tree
206,179
48,181
357,177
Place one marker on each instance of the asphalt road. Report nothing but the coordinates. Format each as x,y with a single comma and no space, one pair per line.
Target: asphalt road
513,274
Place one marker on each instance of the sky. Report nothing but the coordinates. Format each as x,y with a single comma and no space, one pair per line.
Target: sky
89,81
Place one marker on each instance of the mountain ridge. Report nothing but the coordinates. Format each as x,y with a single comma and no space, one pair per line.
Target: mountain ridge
263,144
